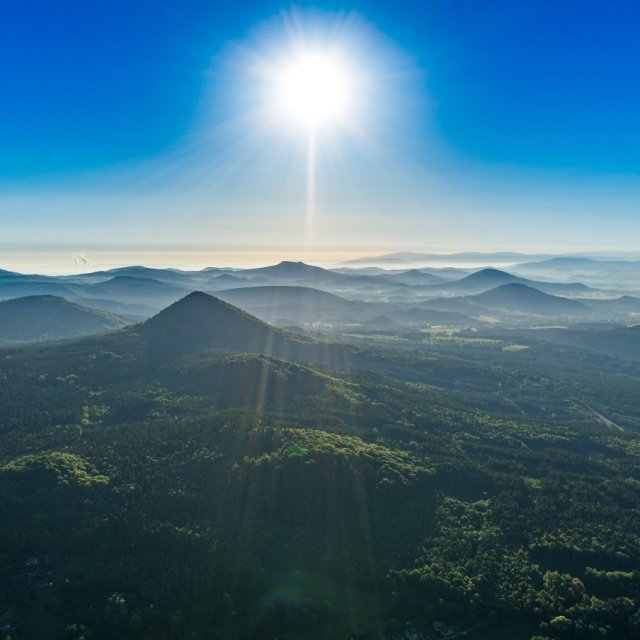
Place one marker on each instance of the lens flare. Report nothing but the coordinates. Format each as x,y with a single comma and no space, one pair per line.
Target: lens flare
313,90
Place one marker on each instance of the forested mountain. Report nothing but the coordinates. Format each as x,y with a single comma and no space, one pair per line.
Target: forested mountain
37,318
201,321
203,474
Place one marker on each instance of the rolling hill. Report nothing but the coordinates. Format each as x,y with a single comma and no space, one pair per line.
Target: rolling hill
228,279
524,299
38,318
486,279
145,291
293,272
133,290
170,276
509,299
23,286
413,277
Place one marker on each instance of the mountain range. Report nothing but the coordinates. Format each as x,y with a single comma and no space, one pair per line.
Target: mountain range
297,294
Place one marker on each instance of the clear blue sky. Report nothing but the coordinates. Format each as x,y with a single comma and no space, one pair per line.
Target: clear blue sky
135,127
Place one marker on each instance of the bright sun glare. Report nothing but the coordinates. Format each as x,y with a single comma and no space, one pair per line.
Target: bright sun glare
313,90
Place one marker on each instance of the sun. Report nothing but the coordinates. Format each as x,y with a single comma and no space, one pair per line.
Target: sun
313,90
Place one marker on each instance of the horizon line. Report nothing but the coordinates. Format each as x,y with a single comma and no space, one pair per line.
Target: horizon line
81,264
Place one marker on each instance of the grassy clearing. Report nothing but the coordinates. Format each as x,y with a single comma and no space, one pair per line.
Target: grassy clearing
515,347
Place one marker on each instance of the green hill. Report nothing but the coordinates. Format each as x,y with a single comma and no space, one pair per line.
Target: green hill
38,318
202,321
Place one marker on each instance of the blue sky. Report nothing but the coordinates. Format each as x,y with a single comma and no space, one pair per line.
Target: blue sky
138,130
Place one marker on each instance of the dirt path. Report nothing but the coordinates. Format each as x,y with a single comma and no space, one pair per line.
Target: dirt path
605,421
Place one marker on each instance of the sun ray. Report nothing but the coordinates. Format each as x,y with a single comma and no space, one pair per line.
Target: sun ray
311,186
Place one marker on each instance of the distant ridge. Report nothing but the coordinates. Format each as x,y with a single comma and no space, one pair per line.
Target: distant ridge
228,278
293,271
414,277
175,277
131,281
522,298
293,302
137,290
472,257
569,262
489,278
598,272
410,257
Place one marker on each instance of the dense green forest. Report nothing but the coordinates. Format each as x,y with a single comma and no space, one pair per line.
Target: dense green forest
204,476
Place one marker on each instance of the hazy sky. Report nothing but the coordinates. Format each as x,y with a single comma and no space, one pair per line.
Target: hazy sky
144,132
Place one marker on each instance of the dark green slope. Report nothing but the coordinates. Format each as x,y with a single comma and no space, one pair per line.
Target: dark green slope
198,345
201,321
38,318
